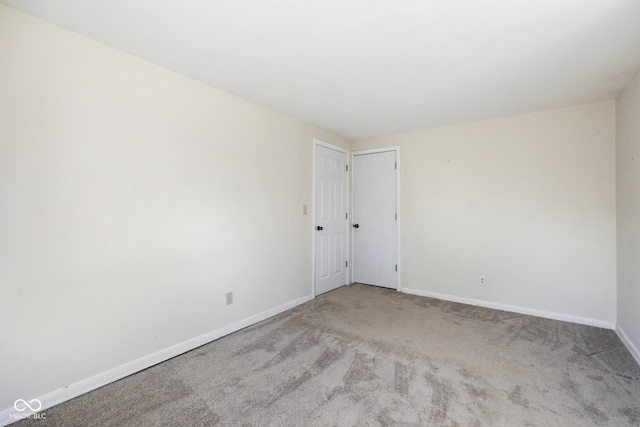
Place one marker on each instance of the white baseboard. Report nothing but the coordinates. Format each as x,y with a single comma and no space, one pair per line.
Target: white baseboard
629,344
84,386
514,309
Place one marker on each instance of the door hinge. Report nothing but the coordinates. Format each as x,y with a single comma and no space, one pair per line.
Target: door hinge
346,216
347,168
396,217
395,165
346,263
396,267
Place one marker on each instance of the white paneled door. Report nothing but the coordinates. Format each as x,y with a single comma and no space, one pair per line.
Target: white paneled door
330,227
375,226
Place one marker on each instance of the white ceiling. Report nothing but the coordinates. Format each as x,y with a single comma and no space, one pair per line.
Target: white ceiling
376,67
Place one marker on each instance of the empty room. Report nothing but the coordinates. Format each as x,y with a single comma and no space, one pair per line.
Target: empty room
336,213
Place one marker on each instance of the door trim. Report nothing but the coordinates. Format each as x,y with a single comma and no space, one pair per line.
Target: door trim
395,148
316,143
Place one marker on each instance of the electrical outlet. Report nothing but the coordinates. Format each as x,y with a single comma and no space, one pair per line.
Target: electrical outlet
483,281
229,298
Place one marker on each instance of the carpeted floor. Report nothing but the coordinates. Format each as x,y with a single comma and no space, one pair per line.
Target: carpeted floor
367,356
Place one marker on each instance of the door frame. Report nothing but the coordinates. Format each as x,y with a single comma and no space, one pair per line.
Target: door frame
316,143
395,148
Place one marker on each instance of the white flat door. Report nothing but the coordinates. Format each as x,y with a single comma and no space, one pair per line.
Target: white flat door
331,221
375,219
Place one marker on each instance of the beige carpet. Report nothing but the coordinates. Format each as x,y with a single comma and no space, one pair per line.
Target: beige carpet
366,356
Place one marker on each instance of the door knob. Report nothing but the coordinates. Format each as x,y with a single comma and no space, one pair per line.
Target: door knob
319,228
356,225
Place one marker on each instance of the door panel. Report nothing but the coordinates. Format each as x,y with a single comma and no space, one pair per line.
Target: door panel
374,211
330,213
325,251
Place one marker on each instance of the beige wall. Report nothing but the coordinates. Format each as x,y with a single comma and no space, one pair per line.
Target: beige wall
132,199
628,210
527,201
